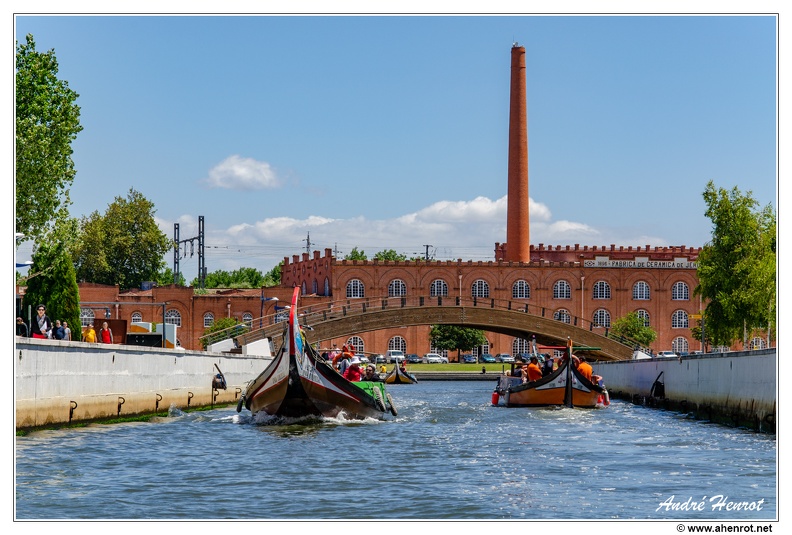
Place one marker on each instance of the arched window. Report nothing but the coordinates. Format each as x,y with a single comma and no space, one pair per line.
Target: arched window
303,288
208,319
355,289
679,345
441,352
137,317
758,343
172,317
480,288
397,288
521,290
641,291
561,290
397,343
601,318
562,315
601,290
327,286
247,319
281,315
679,320
86,316
357,344
644,315
315,286
520,345
439,288
680,292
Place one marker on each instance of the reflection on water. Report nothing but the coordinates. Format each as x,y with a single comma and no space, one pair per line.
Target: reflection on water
448,455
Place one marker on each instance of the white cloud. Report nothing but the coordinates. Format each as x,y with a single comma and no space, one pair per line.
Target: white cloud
238,173
455,229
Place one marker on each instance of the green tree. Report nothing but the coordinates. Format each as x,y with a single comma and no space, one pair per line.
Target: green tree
390,254
633,328
52,281
454,337
124,246
239,278
47,121
356,255
737,269
165,277
221,329
273,276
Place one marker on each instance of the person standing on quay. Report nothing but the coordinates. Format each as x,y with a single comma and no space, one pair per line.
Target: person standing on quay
57,332
21,328
105,334
42,325
66,331
89,335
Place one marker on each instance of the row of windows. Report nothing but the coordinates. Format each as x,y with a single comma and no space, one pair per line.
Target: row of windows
172,317
602,318
680,291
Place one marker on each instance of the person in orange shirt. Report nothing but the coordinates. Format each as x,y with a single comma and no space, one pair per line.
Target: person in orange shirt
532,372
585,368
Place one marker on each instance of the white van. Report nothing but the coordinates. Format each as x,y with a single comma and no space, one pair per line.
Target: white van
394,355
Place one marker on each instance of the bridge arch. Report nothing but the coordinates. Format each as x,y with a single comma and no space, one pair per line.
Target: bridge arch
341,319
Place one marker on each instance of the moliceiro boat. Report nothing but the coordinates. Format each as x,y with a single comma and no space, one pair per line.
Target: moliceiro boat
564,387
399,376
299,383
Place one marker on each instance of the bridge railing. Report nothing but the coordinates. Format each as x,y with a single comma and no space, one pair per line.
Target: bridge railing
258,328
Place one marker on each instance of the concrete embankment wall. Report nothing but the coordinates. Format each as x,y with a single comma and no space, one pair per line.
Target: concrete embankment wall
736,388
59,382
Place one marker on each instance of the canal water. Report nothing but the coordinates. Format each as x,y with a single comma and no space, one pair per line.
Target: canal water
448,455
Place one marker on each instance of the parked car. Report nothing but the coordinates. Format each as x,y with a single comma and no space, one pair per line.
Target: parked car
523,357
394,355
469,359
363,359
379,359
666,355
412,358
505,357
487,358
434,358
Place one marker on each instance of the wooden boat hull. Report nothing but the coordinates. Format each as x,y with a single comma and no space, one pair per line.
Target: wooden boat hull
564,387
397,377
300,383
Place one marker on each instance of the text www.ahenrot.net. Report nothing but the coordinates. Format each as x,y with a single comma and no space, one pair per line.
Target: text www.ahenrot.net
723,528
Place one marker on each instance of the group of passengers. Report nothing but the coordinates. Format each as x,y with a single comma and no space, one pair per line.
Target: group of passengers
349,365
533,371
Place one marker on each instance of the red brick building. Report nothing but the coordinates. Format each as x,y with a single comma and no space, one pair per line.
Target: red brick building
592,284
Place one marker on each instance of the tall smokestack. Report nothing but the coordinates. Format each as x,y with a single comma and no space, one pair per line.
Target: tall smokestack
517,235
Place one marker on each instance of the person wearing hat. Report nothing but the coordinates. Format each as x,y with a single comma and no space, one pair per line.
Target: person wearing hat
353,373
41,326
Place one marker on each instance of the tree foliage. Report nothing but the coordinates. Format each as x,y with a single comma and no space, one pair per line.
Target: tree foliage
389,254
356,255
737,269
243,277
221,324
165,277
632,327
124,246
454,337
273,276
47,121
51,279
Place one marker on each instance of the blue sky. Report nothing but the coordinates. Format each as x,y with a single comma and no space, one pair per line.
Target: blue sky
391,132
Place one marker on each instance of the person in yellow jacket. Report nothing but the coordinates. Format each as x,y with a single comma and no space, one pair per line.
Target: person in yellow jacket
89,335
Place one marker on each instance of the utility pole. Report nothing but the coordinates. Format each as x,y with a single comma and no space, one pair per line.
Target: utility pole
426,255
308,243
201,259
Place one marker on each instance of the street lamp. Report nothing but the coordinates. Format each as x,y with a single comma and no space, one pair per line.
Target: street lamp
261,316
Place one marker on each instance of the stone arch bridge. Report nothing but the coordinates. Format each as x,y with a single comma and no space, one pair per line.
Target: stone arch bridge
338,319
